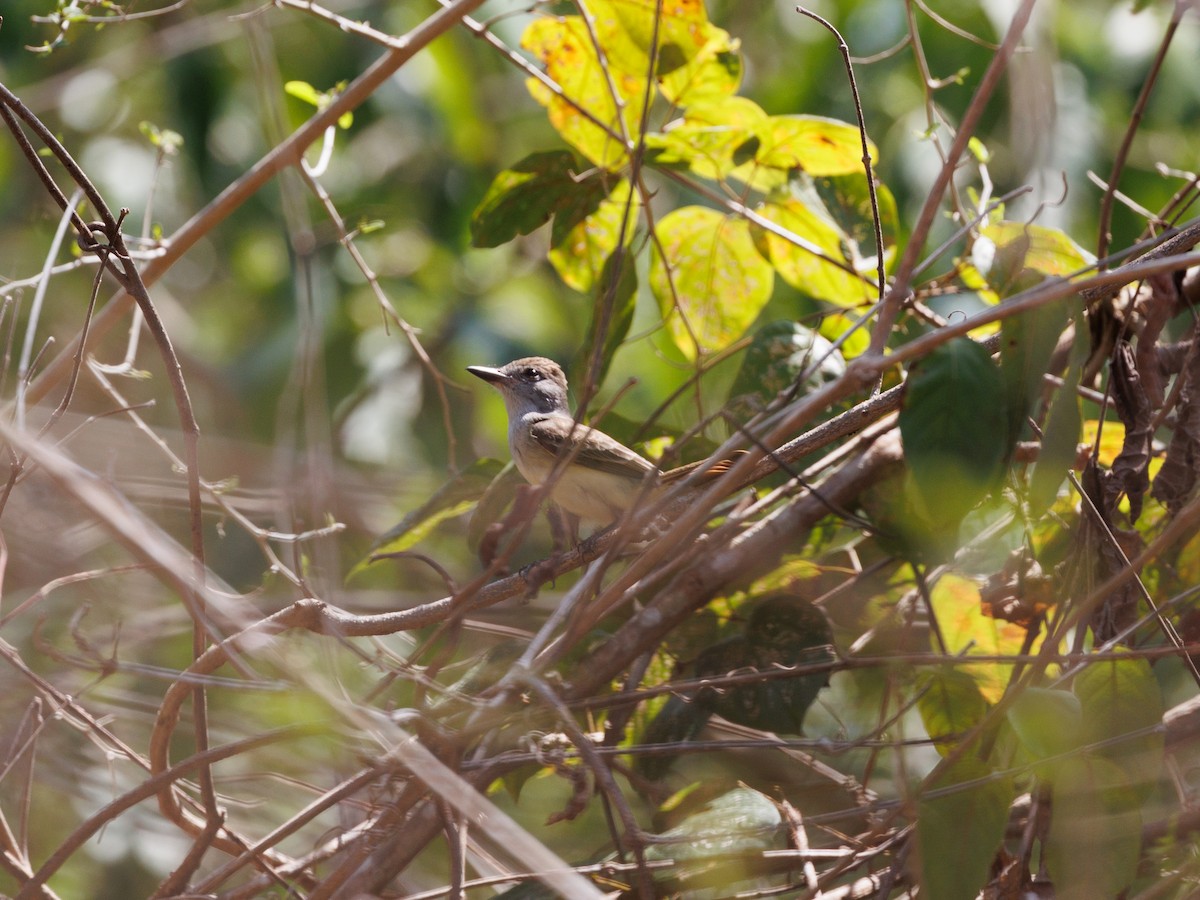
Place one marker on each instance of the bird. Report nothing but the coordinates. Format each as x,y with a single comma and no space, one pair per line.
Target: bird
603,477
781,629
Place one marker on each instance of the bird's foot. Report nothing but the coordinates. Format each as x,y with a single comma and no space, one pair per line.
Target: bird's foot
539,573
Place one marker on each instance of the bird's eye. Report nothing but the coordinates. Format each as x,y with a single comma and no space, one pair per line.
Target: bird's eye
532,374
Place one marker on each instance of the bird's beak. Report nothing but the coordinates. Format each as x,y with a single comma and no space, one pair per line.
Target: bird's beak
488,374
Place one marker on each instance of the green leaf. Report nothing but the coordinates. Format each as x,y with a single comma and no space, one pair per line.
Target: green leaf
495,499
778,356
979,150
950,705
524,197
798,263
454,498
1060,435
709,280
163,139
1047,722
306,93
960,830
955,433
1027,341
1095,836
585,235
568,55
303,91
1120,697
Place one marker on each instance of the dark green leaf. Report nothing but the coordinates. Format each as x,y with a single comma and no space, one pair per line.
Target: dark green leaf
955,429
1120,697
523,198
1027,341
959,830
779,355
848,202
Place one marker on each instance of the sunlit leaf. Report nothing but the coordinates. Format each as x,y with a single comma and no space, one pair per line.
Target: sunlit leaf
959,829
707,139
812,144
1047,251
799,264
834,325
583,239
628,30
1111,435
968,632
568,55
164,139
303,91
709,280
713,74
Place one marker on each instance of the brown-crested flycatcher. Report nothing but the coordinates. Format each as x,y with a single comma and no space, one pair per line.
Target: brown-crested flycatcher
603,477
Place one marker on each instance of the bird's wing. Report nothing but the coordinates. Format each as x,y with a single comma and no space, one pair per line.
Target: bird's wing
599,451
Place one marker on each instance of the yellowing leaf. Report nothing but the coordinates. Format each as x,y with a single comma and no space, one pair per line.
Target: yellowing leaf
1047,251
1112,439
834,325
567,53
813,144
713,74
627,27
581,246
709,280
711,137
818,276
960,825
963,625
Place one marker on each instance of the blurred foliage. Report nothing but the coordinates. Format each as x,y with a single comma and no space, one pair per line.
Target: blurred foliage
315,407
